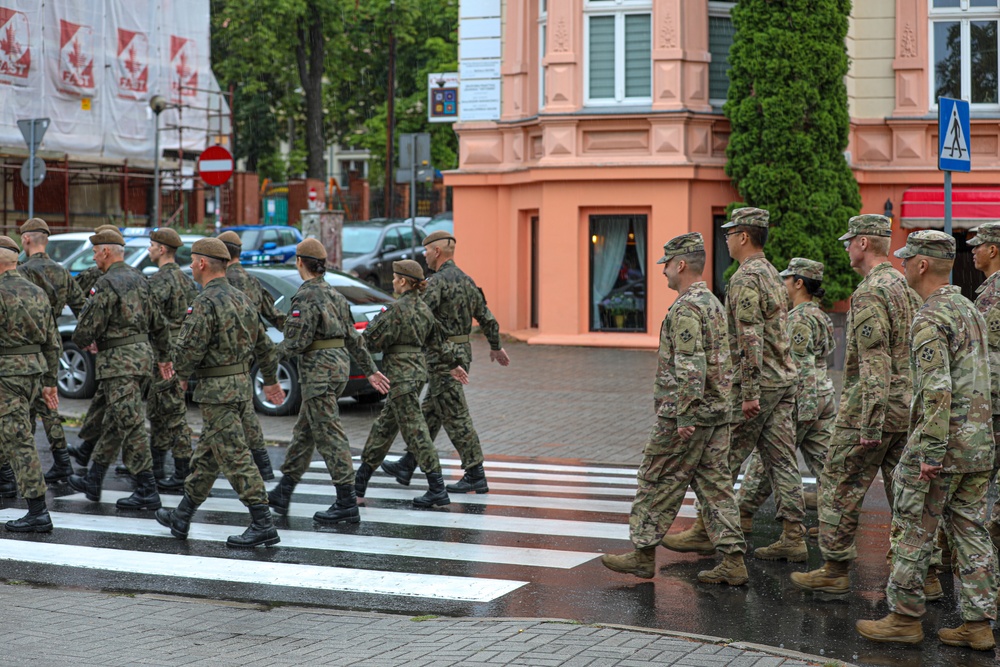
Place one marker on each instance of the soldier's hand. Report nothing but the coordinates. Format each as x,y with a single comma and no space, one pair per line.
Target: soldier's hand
868,443
51,396
927,472
685,432
274,394
460,374
92,348
379,381
500,356
751,408
184,385
166,370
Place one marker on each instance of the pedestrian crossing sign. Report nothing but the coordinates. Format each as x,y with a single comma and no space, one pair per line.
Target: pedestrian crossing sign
953,135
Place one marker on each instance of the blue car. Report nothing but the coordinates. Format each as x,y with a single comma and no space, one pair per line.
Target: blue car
267,244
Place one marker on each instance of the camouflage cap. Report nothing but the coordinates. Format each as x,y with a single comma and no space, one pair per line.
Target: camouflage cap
439,235
311,249
213,248
106,228
929,243
988,232
107,237
7,243
408,268
681,245
868,224
803,268
232,238
35,225
748,216
167,237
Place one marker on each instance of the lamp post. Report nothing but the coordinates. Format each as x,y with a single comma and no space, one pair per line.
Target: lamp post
157,103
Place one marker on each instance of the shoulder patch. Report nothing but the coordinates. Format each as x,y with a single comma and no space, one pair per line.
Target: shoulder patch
686,332
190,310
93,291
993,325
296,313
800,335
868,327
747,305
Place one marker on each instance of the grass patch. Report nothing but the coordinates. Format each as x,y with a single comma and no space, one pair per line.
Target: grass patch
426,617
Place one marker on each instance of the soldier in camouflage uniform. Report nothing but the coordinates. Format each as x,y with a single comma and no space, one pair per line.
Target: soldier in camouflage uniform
403,333
29,353
870,430
811,333
689,445
944,472
120,322
764,386
455,300
320,327
218,341
88,277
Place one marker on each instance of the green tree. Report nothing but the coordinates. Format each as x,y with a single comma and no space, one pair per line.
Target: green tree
788,109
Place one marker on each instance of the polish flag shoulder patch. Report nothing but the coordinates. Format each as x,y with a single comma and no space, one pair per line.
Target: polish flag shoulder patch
93,291
190,309
295,313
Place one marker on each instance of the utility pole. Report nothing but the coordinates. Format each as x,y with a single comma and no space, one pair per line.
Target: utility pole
390,158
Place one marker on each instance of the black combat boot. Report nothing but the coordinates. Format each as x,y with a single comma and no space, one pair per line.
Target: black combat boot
178,520
90,484
263,463
8,483
436,496
159,458
361,478
474,479
144,497
121,470
402,469
175,483
281,497
261,531
345,509
61,468
37,520
82,453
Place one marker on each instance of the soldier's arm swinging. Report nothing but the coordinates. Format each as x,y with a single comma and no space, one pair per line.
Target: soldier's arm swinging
875,367
690,366
931,396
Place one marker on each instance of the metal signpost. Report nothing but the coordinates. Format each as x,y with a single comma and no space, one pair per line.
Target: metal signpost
414,165
33,171
953,146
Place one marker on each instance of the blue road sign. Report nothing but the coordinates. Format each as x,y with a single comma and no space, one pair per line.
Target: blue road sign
953,135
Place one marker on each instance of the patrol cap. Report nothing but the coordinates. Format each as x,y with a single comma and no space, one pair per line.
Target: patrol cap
107,237
106,228
311,249
408,268
7,243
35,225
868,224
439,235
232,238
929,243
988,232
213,248
167,237
803,268
748,216
681,245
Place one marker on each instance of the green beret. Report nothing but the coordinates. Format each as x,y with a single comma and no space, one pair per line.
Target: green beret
681,245
167,237
929,243
107,237
439,235
748,216
35,225
213,248
803,268
408,268
311,249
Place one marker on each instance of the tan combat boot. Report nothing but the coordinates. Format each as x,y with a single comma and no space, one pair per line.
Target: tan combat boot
732,570
791,546
694,539
975,635
831,578
932,586
993,529
894,628
641,562
810,500
746,522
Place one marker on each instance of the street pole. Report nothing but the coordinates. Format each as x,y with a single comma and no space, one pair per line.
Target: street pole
413,197
156,172
31,174
390,114
947,213
218,208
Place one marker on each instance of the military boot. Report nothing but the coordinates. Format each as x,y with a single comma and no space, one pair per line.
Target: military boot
810,499
474,479
144,497
932,586
402,469
791,546
121,470
641,562
344,510
831,578
971,634
746,521
175,483
732,570
281,497
260,532
81,454
361,478
694,539
178,520
61,468
436,496
159,459
37,520
263,463
894,628
993,528
8,483
90,483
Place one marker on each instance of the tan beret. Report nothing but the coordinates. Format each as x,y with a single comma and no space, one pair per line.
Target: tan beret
232,238
106,228
35,225
439,235
7,243
107,237
167,237
310,249
408,268
213,248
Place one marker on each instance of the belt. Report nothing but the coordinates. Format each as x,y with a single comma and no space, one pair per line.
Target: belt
222,371
401,349
21,349
103,345
459,339
325,344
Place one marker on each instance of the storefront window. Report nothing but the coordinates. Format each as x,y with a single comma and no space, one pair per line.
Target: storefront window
618,273
964,41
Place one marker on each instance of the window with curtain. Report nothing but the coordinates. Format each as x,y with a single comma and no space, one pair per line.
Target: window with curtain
619,60
618,273
720,38
963,40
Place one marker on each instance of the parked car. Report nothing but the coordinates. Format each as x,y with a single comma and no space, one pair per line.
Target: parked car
369,249
63,246
442,222
267,243
136,254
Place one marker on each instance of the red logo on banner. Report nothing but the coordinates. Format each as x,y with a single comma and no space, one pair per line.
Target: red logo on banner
183,67
15,54
76,57
133,64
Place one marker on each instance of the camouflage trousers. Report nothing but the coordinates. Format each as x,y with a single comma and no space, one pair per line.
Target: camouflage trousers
812,438
222,446
17,445
90,430
669,466
995,513
847,474
402,413
51,423
772,433
123,427
958,503
167,412
318,428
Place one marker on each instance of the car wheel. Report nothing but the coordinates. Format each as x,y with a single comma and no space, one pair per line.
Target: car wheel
288,378
76,377
371,397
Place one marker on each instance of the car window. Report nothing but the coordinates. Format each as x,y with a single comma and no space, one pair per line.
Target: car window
287,237
360,294
392,238
406,237
250,239
60,250
359,240
270,236
146,262
86,260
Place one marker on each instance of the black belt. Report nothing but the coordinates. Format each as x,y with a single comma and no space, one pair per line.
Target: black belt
21,349
459,339
103,345
222,371
325,344
401,349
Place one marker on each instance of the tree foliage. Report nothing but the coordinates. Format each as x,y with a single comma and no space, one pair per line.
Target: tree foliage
787,105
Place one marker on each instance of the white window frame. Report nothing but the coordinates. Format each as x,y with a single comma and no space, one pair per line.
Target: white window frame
964,15
543,17
619,9
719,9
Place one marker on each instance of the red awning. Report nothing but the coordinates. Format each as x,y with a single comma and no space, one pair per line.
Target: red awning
923,207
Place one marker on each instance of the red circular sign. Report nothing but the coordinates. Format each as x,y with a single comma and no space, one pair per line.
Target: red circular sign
215,165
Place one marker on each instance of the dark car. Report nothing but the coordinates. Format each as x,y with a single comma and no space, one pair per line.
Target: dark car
267,243
371,247
442,222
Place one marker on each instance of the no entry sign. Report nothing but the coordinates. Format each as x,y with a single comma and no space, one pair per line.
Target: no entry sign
215,165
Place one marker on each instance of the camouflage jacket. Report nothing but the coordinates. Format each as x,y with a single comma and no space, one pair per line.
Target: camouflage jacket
694,375
988,304
320,312
88,278
120,306
58,284
173,292
409,321
951,422
811,333
222,328
26,319
877,388
261,299
455,299
757,313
